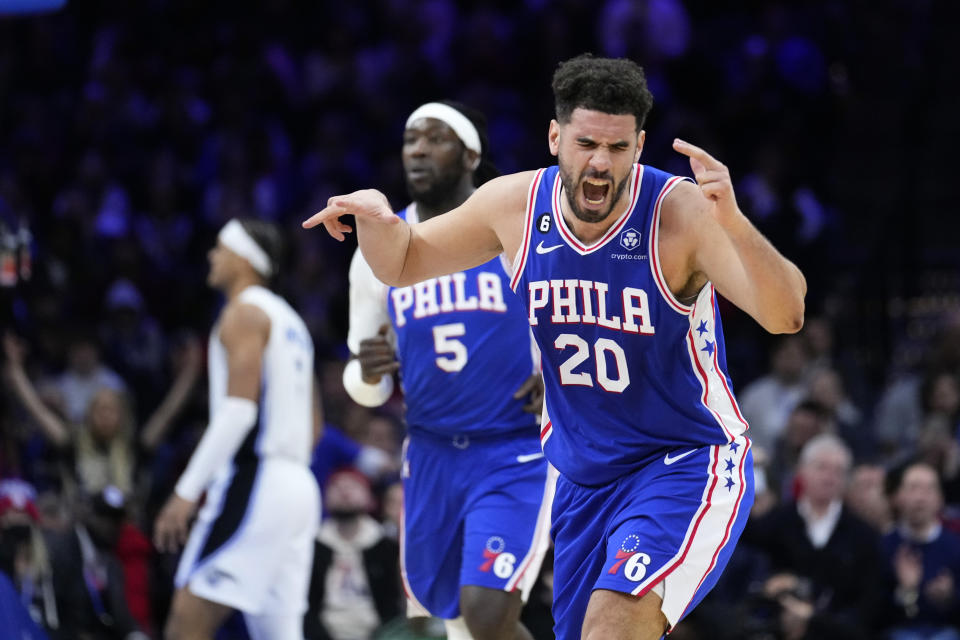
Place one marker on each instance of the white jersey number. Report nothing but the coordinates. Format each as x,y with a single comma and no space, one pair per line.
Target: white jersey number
503,566
636,567
600,349
451,353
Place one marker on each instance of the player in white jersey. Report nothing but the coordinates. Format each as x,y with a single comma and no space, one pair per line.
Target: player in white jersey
251,546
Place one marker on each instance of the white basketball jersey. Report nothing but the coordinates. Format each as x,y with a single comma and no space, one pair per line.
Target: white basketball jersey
284,425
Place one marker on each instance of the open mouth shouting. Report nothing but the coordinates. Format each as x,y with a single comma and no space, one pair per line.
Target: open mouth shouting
595,192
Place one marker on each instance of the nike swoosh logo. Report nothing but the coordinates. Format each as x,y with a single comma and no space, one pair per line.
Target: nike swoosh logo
529,457
667,460
542,249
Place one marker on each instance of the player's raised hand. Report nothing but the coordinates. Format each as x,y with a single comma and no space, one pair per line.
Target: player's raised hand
366,203
713,178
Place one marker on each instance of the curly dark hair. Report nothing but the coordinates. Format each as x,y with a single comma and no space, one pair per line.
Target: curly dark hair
611,85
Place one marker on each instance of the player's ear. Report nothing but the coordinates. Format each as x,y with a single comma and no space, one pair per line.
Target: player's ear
553,137
641,138
471,160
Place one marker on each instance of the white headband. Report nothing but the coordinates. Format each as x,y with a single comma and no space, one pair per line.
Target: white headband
460,123
234,237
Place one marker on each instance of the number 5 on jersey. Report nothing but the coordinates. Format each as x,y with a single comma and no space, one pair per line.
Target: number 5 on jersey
451,353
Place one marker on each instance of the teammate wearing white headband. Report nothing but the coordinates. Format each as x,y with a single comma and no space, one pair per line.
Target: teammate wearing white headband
475,526
251,547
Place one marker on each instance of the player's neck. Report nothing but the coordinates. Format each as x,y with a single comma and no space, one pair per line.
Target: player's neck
236,287
590,232
456,198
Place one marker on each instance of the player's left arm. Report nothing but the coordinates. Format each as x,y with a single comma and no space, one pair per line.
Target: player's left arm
244,331
725,247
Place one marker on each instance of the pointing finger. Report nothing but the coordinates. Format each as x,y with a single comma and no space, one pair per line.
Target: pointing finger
323,215
696,153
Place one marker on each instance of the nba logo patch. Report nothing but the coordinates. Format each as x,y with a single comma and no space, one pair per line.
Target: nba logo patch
630,239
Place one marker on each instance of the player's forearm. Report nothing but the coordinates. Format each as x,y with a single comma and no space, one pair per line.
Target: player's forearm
384,247
233,421
778,285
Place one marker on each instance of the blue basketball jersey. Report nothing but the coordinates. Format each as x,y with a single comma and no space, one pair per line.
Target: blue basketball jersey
464,349
629,371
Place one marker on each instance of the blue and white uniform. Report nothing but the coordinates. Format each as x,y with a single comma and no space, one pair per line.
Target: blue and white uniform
639,414
252,545
476,495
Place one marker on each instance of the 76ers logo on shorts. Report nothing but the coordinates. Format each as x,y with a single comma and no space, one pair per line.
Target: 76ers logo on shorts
634,562
495,557
630,239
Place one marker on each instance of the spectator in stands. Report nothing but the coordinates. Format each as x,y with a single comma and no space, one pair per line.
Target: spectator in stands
85,376
392,510
24,557
867,499
826,388
767,402
134,344
907,402
101,451
355,587
335,450
806,421
937,443
88,578
825,562
923,562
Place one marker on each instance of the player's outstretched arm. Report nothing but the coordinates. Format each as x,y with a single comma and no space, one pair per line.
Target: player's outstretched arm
729,250
490,221
244,330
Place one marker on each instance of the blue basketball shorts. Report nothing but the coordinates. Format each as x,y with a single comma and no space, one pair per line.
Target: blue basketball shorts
670,525
476,511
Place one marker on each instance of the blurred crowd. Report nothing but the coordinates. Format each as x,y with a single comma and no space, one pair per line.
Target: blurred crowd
130,132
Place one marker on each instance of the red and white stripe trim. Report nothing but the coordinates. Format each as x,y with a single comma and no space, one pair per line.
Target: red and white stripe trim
707,535
526,573
414,608
652,236
571,239
726,533
716,396
545,432
706,502
721,372
520,260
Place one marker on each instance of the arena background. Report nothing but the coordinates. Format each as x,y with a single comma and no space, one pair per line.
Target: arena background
131,131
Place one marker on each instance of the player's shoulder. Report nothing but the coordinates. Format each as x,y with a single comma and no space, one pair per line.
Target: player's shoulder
505,197
683,205
242,316
511,187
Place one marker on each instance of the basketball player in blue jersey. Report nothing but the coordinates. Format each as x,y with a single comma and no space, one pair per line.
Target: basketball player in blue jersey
476,503
619,265
251,547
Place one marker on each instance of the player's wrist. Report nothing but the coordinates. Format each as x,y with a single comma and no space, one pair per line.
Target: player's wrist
362,392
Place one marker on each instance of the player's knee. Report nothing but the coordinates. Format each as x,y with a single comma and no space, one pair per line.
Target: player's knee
490,614
613,615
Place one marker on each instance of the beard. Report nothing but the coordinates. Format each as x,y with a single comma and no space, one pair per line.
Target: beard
439,189
571,189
